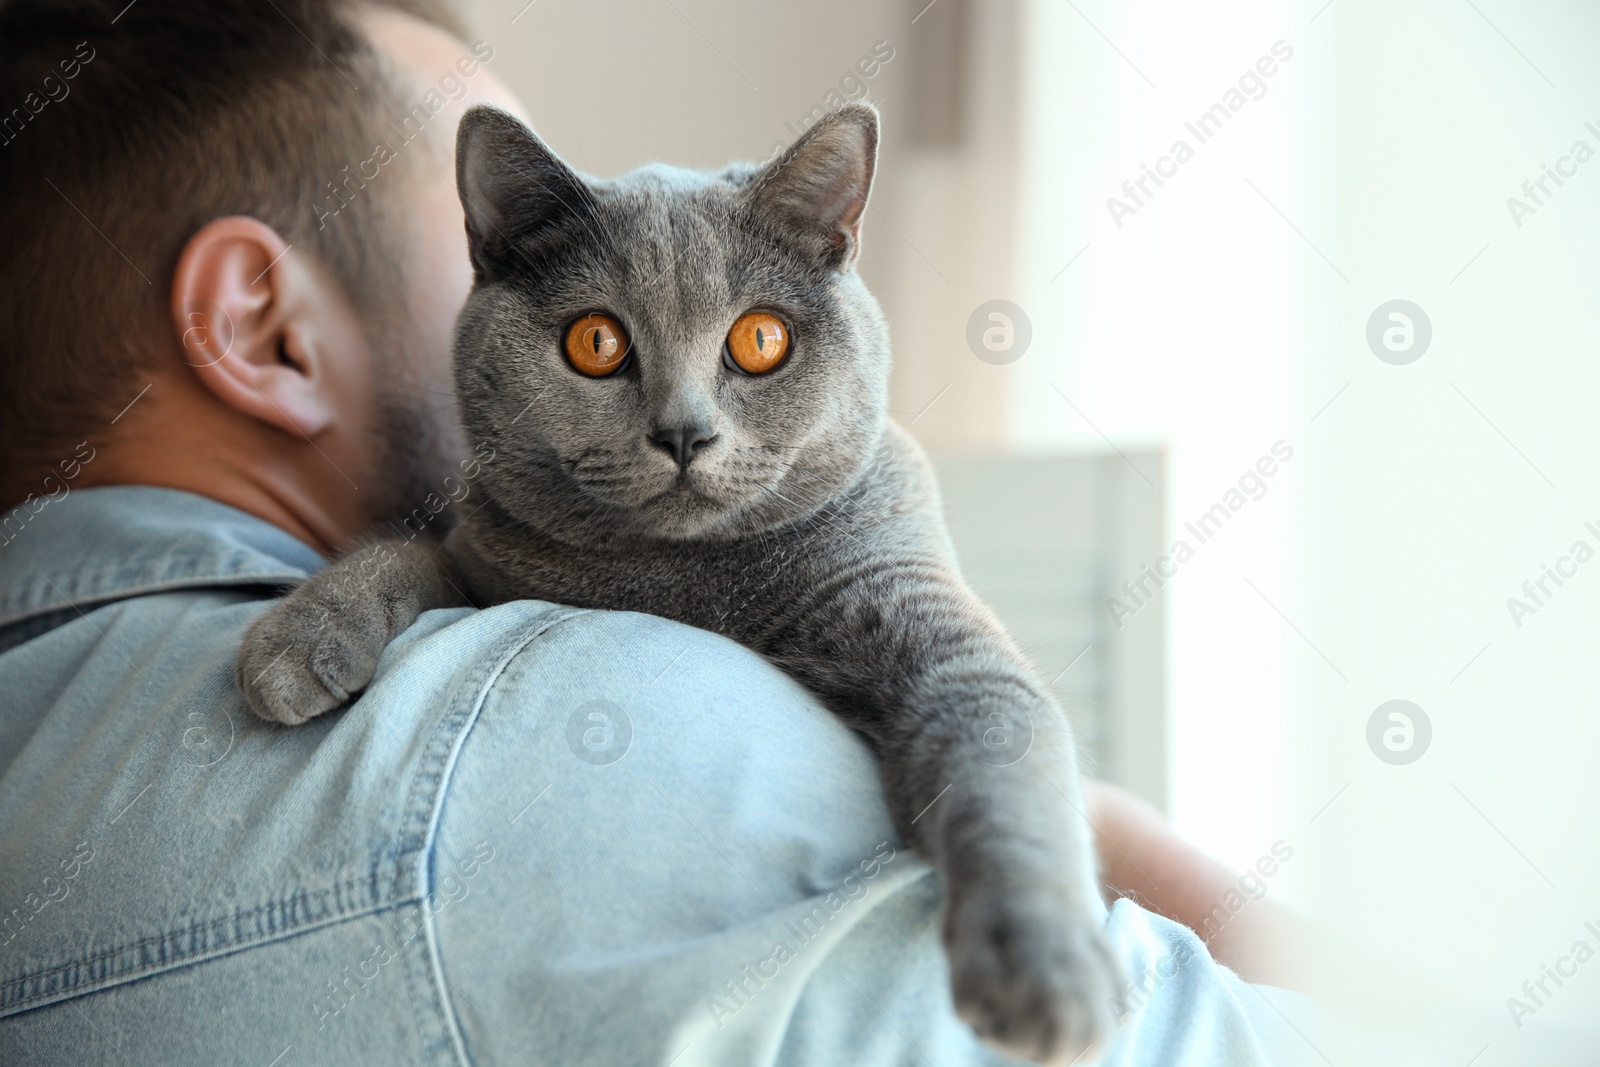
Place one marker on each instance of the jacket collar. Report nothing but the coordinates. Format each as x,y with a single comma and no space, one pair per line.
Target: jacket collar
112,542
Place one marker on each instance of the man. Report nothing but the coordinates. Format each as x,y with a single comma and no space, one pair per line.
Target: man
543,835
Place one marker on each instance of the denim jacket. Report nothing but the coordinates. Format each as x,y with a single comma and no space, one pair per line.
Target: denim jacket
542,836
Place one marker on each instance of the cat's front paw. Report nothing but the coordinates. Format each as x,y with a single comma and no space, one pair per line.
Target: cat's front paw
309,654
1032,976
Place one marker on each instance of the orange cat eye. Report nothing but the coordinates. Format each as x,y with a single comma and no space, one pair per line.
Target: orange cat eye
597,345
758,342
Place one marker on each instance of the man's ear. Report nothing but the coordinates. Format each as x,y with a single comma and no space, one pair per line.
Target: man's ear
511,184
246,314
818,188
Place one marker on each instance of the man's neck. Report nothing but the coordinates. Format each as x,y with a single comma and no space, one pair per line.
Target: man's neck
177,440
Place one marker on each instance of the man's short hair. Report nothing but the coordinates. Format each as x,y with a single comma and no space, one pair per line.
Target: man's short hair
124,128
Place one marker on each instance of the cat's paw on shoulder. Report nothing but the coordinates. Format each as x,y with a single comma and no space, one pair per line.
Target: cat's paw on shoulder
305,657
1032,977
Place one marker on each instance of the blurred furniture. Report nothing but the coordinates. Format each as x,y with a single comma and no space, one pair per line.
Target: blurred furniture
1045,541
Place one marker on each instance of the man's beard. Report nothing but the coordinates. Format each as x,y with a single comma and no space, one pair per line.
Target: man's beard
419,443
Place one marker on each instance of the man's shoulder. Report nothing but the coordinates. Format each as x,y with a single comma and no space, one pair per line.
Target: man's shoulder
190,828
589,685
536,645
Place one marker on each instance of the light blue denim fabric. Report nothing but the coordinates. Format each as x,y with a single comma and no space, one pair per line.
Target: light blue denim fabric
543,836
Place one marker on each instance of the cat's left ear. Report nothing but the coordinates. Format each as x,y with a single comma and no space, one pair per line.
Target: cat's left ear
818,188
511,185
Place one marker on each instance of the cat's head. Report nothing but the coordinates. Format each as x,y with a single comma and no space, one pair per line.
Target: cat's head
670,354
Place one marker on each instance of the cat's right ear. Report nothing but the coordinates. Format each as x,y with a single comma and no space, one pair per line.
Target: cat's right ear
511,185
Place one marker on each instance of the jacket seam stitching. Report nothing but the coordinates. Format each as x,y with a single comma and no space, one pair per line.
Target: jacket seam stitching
453,735
11,1003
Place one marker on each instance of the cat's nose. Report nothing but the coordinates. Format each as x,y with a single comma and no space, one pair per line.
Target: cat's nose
682,443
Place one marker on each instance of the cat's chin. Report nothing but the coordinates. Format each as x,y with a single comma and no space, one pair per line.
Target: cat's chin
682,517
693,509
689,519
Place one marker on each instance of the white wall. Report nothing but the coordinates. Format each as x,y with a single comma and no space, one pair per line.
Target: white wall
1452,480
1418,500
1175,329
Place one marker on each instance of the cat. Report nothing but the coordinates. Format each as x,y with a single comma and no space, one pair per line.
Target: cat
684,385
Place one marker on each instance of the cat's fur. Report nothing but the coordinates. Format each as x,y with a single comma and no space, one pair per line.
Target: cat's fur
808,529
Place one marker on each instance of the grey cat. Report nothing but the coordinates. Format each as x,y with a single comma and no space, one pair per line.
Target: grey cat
683,383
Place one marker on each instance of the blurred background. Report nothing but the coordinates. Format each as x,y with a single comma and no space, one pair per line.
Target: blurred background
1289,304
